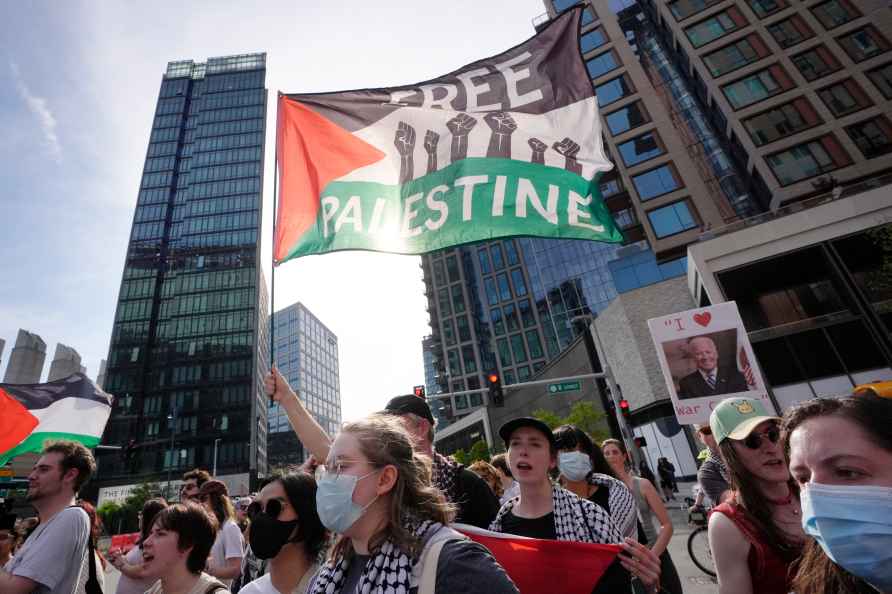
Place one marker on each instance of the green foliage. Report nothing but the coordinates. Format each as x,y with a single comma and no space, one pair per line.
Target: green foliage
120,518
479,451
461,456
583,414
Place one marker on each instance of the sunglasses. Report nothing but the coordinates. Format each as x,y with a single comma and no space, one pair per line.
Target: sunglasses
754,440
273,508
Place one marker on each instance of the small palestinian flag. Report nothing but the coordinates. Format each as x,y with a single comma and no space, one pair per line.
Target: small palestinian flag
72,408
506,146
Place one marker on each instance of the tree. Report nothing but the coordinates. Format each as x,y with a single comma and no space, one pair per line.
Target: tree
583,414
479,451
460,456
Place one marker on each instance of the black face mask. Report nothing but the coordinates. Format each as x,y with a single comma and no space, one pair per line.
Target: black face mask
268,535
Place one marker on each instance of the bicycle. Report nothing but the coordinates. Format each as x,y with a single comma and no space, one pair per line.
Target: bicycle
698,540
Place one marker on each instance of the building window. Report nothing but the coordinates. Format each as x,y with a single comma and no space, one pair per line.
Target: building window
791,31
625,218
756,87
882,79
682,9
626,118
715,27
656,182
863,43
497,324
504,352
520,288
498,258
592,40
873,136
672,219
518,348
763,8
611,187
816,62
483,257
781,121
736,55
504,287
601,64
511,318
809,159
535,344
640,149
613,90
511,253
844,97
835,13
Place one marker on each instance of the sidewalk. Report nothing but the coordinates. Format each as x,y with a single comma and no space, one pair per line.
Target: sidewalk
693,581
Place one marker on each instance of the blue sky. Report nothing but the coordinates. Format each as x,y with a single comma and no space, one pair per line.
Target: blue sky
78,84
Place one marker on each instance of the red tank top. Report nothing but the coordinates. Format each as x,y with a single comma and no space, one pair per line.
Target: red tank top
770,573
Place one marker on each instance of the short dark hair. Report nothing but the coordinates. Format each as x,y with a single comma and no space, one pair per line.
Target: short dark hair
500,461
569,437
300,488
74,455
150,509
198,475
194,527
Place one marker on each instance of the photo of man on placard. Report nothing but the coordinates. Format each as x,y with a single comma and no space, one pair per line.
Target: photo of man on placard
706,365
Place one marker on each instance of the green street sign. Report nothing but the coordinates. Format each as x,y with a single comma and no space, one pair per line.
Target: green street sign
561,387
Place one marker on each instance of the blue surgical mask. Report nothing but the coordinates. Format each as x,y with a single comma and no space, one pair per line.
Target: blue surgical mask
334,501
575,466
853,524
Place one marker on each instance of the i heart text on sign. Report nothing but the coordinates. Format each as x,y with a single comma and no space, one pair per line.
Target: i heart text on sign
703,318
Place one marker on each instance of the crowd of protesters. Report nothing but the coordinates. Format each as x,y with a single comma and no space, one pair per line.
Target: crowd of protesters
795,508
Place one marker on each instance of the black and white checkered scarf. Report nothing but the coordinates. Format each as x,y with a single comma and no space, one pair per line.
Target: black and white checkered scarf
445,477
623,509
575,519
723,470
387,571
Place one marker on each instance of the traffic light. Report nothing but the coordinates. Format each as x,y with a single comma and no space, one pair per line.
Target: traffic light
496,397
419,391
624,408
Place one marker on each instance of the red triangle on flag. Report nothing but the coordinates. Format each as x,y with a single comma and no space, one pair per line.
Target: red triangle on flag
16,422
312,151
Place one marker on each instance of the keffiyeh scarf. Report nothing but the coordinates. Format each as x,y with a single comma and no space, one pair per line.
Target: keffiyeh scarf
445,477
623,509
575,519
388,570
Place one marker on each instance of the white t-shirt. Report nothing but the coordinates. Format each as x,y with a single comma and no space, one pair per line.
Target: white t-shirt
129,585
55,553
229,545
264,584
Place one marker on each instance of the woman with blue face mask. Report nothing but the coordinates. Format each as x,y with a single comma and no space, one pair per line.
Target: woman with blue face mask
841,455
375,493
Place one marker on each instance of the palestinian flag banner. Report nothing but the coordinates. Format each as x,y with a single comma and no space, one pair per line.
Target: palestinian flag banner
538,565
72,408
506,146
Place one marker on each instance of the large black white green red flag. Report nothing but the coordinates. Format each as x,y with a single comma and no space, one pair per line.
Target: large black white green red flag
506,146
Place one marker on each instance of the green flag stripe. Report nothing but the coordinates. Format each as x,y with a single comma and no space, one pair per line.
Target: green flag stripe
472,200
35,441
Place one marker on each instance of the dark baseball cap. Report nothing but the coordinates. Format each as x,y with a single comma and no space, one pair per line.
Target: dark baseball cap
409,403
515,424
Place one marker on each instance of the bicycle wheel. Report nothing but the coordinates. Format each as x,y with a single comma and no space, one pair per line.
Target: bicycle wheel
698,549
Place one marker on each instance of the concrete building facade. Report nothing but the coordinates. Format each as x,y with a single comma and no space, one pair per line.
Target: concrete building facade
26,359
66,361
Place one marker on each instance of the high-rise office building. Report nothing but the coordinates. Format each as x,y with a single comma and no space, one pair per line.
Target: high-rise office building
186,353
26,359
306,354
66,361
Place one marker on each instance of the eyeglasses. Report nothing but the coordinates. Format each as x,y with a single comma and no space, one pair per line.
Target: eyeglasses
273,508
754,440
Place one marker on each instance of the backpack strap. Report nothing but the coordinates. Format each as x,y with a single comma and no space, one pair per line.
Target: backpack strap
424,573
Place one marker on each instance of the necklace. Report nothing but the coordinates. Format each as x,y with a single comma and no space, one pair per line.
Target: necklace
785,501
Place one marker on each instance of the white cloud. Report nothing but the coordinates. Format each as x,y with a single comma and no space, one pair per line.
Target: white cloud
39,107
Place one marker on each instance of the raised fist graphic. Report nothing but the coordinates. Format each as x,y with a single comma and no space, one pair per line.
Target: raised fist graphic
460,126
431,139
539,149
502,126
404,141
569,150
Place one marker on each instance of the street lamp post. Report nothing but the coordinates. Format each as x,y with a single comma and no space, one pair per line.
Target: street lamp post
216,441
172,425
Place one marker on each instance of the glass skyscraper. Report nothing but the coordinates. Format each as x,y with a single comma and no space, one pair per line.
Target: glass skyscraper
306,354
186,358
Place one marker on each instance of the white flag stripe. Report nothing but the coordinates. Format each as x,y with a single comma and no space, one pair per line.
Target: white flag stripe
72,415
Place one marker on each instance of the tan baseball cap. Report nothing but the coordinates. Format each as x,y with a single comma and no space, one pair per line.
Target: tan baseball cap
737,417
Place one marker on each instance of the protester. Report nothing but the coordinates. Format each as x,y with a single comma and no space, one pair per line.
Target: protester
585,472
241,514
52,558
7,537
225,561
177,549
490,476
375,492
649,504
95,533
666,470
26,527
133,579
476,503
756,535
841,455
510,487
286,530
192,482
545,510
712,474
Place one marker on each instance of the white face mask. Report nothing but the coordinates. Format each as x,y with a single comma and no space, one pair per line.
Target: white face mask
575,466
